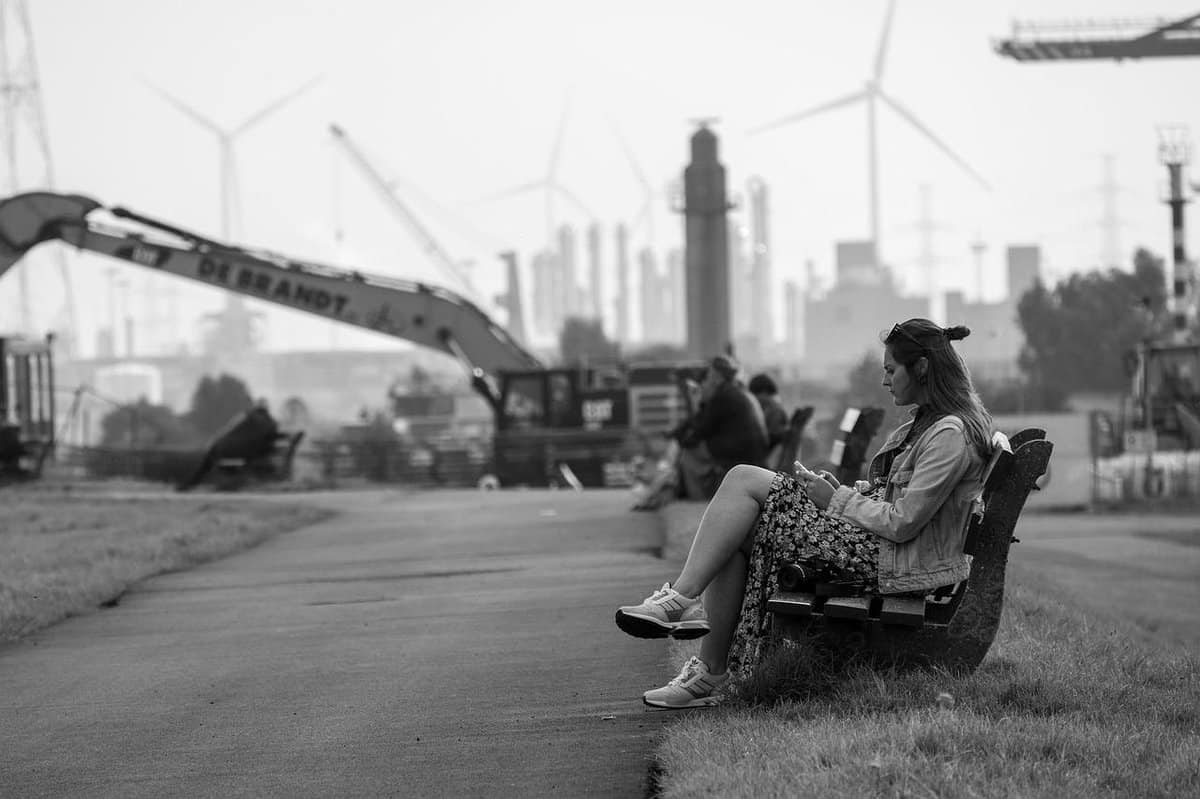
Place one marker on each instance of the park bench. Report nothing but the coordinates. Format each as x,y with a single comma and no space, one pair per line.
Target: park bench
233,472
251,447
952,626
787,449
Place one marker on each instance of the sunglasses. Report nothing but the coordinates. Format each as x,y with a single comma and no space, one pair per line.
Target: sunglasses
899,331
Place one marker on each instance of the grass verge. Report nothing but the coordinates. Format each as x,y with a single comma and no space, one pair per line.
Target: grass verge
1069,703
1088,691
64,552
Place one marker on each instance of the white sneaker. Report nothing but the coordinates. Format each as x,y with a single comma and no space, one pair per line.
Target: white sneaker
692,688
664,613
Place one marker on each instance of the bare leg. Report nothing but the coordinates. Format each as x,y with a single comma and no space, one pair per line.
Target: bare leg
723,604
716,564
725,527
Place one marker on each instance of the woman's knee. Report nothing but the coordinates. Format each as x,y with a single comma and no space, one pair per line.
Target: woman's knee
753,481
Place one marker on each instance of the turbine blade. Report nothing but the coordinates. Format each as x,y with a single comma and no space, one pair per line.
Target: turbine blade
556,146
524,188
186,110
911,118
885,34
643,217
819,109
271,108
633,162
574,200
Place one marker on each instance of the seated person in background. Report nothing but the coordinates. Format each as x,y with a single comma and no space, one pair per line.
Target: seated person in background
767,393
727,429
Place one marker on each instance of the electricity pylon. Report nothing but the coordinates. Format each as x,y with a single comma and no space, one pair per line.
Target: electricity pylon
27,162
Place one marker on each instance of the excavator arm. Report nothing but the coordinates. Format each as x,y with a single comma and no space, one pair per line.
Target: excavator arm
423,314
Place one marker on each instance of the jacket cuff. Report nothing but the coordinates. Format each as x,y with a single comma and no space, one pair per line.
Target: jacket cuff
837,503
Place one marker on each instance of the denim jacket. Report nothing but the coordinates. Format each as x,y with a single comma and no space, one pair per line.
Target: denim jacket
922,520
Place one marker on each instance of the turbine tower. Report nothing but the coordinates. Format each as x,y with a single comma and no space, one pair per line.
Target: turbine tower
26,144
871,94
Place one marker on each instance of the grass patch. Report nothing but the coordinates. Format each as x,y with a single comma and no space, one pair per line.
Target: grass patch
1068,703
64,552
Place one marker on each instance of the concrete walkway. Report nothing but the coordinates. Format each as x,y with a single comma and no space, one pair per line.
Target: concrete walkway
454,643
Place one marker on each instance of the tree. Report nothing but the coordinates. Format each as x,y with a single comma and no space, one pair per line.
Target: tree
582,341
865,389
216,402
1078,333
141,425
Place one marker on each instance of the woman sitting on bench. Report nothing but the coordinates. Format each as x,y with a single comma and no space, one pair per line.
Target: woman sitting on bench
900,531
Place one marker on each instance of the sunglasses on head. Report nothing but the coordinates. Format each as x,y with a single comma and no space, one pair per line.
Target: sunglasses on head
899,331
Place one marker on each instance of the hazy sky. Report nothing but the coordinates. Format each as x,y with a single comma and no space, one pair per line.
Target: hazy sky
459,99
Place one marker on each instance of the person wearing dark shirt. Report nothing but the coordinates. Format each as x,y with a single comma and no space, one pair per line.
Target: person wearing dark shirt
727,429
767,393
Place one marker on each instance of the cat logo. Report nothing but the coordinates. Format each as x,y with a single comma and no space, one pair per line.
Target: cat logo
143,254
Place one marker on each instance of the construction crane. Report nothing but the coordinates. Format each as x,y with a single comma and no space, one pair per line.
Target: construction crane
1102,39
425,239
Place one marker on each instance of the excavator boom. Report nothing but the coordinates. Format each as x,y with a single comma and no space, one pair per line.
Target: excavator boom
423,314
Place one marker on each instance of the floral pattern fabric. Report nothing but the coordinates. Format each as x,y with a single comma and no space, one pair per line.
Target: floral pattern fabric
791,527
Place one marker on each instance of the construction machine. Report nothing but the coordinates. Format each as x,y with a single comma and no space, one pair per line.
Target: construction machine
551,425
1165,397
26,406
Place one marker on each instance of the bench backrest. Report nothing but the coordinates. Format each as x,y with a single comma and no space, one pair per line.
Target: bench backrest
1011,475
790,446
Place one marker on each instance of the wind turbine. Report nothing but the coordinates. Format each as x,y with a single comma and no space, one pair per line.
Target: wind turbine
646,212
871,93
230,200
549,183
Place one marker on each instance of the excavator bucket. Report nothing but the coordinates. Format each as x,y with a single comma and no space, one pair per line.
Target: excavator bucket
29,219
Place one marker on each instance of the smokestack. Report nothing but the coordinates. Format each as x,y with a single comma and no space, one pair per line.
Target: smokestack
596,271
1174,151
706,255
622,301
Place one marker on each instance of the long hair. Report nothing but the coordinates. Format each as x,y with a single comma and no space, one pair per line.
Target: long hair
947,380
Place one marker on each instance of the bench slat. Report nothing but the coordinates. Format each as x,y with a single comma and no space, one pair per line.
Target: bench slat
792,603
906,611
848,607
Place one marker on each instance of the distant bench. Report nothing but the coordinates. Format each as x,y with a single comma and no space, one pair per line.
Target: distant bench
232,472
953,626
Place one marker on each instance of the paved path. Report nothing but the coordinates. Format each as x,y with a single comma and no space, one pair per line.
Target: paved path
431,644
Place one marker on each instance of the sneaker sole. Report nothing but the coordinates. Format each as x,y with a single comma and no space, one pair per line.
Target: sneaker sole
708,701
641,627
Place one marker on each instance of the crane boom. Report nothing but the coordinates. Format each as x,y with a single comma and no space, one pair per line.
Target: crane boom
1102,39
430,244
423,314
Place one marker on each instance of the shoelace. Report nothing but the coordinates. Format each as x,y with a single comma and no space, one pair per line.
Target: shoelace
661,593
690,670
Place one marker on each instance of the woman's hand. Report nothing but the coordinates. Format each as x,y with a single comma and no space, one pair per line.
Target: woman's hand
829,477
818,489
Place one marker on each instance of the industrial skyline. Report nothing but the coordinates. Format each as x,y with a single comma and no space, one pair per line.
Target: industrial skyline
461,109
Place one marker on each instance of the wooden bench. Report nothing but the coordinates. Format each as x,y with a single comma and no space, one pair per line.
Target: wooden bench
953,626
233,472
781,460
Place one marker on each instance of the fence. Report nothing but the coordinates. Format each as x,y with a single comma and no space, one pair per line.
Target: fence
1135,477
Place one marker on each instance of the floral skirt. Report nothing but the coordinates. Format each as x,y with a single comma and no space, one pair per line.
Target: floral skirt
791,527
